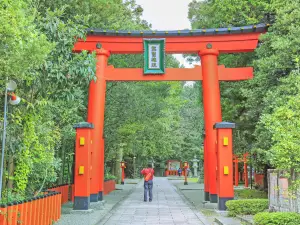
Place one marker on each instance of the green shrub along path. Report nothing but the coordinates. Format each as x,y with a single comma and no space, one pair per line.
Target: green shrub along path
277,218
246,206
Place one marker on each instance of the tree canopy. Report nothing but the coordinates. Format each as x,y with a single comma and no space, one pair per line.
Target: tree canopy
265,108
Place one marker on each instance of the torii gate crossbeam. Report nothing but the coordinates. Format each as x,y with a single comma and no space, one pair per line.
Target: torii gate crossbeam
175,74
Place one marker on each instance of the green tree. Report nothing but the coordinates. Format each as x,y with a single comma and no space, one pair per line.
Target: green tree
251,104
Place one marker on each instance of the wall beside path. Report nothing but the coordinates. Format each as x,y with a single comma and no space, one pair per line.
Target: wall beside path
109,186
280,198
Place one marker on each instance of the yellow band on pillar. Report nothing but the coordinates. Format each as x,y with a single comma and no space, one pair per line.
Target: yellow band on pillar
226,170
81,170
225,141
81,141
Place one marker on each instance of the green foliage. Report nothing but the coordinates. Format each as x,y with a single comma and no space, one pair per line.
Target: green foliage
10,195
277,218
264,108
246,206
109,176
35,157
223,13
23,46
283,124
191,127
249,194
147,124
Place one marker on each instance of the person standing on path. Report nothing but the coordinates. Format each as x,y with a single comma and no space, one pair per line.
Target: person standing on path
148,182
179,171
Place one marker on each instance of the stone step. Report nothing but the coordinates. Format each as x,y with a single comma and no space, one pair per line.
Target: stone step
247,220
227,221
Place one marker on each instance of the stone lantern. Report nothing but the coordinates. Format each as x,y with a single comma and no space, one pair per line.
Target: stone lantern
195,166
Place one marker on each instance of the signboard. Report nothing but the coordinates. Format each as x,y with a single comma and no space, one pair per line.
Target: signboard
154,56
174,165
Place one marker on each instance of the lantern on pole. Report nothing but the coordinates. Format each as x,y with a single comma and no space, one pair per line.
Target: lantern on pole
185,166
123,166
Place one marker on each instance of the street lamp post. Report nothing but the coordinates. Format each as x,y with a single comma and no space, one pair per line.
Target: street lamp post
10,86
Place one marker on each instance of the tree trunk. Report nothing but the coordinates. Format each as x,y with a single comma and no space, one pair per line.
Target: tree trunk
4,179
113,172
62,156
266,167
11,169
118,170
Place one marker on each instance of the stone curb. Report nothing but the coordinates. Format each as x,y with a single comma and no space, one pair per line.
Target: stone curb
200,216
245,220
82,212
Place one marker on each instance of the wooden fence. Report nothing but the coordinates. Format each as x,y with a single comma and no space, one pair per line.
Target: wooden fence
44,209
41,210
109,186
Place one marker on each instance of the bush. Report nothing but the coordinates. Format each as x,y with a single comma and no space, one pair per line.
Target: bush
250,194
109,176
277,218
246,206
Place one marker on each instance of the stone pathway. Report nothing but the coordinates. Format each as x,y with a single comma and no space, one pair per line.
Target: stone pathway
167,207
98,213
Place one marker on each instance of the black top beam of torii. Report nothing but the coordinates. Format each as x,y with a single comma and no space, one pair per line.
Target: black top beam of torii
259,28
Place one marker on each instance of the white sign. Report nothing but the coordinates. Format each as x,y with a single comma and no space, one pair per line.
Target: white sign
154,59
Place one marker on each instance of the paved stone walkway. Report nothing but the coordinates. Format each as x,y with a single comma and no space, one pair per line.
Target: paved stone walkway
167,207
112,200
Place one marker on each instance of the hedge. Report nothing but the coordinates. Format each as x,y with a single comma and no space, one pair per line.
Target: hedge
277,218
250,194
246,206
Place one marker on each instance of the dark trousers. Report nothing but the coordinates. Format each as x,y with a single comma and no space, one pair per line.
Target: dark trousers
148,185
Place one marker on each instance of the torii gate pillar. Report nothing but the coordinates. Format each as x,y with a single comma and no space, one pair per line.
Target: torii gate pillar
212,113
96,108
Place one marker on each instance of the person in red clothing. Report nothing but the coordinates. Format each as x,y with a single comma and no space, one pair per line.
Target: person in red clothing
148,182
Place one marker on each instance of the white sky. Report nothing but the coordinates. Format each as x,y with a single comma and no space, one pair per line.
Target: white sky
167,15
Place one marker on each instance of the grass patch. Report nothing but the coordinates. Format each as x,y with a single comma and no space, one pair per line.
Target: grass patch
193,179
207,212
250,194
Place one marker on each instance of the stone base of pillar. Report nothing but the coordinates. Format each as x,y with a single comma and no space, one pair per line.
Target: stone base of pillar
94,198
213,198
97,205
81,203
100,196
82,211
206,196
222,203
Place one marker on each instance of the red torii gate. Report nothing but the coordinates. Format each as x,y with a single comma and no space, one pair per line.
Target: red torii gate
208,44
